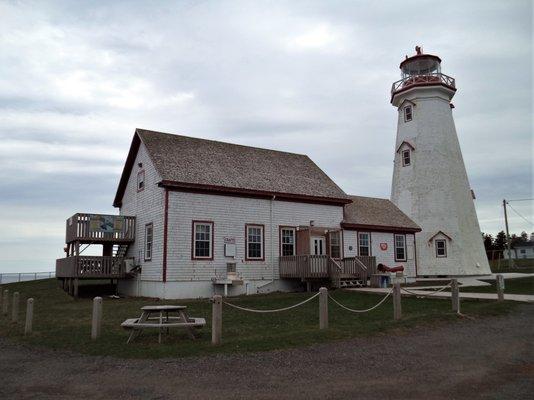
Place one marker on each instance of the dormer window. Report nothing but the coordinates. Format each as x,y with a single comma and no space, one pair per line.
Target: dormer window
441,248
407,113
406,158
140,180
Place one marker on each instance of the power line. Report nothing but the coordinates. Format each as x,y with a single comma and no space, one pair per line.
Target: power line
520,200
517,212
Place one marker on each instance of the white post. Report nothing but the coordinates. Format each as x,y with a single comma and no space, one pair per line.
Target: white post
29,317
96,326
455,296
15,307
500,287
19,277
5,302
323,308
397,309
216,320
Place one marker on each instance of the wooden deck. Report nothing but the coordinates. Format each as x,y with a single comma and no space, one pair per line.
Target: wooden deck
100,228
91,267
309,267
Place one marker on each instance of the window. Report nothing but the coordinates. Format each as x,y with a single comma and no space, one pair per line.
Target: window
254,242
407,113
335,244
400,248
364,244
287,242
203,240
406,157
523,251
441,248
149,238
140,180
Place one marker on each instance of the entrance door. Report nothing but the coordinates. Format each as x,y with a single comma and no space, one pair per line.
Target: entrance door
318,246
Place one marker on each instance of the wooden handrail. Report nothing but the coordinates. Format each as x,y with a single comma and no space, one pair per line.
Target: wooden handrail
90,267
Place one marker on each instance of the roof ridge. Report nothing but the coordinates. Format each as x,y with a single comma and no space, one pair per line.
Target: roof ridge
221,142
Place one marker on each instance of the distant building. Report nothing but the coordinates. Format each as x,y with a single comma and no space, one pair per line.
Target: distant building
522,250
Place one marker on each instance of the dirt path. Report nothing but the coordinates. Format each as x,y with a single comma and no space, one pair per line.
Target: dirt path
491,358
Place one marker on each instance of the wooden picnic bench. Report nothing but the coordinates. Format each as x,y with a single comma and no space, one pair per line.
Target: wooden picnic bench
163,321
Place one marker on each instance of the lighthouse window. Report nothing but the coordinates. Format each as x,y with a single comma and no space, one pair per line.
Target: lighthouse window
441,248
407,113
406,158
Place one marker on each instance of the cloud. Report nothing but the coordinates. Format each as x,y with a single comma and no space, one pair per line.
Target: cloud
321,37
309,77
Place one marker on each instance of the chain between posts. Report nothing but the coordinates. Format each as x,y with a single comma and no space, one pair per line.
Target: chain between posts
362,311
271,311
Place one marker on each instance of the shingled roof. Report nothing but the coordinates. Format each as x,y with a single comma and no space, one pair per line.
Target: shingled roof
198,164
376,214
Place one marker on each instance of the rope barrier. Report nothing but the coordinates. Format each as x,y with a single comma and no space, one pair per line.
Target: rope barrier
271,311
361,311
429,294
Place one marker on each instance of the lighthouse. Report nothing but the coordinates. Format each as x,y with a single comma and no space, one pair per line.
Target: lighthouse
430,181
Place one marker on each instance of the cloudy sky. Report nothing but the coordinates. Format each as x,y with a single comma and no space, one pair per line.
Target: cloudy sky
313,77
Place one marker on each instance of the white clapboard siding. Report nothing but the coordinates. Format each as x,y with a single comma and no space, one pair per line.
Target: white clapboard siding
229,215
147,206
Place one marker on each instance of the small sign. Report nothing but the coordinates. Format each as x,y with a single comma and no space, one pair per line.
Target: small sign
229,240
383,246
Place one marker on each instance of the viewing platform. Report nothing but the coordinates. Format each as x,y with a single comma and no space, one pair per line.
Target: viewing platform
114,233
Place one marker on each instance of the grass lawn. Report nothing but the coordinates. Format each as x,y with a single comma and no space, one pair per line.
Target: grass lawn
521,265
511,286
63,323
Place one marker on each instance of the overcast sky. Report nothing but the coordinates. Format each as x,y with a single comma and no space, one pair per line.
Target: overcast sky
76,79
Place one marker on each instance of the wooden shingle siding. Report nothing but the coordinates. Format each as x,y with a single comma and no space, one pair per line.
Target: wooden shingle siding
147,206
387,256
229,216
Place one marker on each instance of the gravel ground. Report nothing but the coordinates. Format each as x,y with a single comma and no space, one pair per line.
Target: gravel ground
491,358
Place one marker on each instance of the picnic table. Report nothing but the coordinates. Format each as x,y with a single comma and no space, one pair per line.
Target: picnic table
163,320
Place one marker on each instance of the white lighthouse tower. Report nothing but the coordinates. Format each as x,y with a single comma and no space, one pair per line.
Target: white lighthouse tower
429,179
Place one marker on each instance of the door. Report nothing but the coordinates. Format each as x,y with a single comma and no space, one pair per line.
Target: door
318,246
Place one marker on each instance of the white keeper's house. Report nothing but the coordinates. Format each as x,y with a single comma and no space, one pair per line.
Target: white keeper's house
199,217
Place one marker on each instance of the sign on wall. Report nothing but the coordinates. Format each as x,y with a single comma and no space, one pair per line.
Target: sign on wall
383,246
105,223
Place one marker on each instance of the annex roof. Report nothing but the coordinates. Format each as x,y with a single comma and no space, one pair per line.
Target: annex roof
198,164
376,214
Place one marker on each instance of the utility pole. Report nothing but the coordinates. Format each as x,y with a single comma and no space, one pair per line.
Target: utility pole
508,241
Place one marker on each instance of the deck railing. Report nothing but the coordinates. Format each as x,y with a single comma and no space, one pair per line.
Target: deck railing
306,266
90,267
100,228
312,267
422,79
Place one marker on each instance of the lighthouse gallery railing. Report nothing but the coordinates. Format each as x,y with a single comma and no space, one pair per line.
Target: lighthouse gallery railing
423,79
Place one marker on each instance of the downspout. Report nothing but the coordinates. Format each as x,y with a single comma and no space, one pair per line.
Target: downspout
165,229
272,244
272,247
